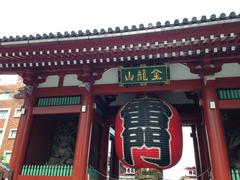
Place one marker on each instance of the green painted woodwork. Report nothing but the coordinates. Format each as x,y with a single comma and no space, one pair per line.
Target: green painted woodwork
235,174
228,94
46,170
59,101
66,170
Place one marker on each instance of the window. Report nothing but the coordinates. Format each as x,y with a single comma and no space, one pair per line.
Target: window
3,114
17,112
6,95
12,134
7,156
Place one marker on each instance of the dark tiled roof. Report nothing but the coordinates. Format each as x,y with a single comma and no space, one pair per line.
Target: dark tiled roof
80,33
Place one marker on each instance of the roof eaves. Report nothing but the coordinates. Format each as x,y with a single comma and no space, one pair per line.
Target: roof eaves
213,20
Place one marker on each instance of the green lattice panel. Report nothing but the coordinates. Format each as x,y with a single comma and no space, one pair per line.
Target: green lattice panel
235,174
227,94
46,170
59,101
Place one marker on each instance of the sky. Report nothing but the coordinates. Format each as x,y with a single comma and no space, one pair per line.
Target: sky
187,159
25,17
8,79
19,17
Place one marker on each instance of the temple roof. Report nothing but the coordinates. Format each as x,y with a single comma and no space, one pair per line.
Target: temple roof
197,43
134,29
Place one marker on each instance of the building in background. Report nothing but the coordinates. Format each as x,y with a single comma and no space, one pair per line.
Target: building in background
126,173
10,112
190,173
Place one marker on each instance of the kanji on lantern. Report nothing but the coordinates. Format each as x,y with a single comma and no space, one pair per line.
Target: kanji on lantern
148,132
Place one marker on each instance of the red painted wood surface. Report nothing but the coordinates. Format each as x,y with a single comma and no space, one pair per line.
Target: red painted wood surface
177,86
24,129
83,139
215,134
60,91
228,82
229,104
57,109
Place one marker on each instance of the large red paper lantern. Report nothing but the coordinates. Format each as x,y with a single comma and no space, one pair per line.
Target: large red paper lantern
148,134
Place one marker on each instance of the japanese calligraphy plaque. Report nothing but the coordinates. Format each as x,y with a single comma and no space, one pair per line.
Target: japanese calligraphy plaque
140,75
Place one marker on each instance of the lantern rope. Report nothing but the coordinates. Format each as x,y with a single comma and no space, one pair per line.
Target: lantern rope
206,171
103,175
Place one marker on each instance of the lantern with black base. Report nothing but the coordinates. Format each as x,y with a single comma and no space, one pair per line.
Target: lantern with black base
148,134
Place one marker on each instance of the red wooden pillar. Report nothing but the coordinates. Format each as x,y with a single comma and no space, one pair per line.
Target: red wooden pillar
203,152
215,133
114,169
24,130
104,151
80,165
196,151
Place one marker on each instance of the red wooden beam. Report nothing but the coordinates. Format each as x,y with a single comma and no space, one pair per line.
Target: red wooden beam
229,82
189,119
181,85
57,109
229,104
109,54
60,91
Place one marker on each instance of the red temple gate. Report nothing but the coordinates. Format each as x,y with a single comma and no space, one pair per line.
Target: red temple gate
75,76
